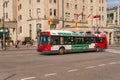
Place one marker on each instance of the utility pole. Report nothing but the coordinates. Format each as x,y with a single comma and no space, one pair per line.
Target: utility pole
3,40
62,13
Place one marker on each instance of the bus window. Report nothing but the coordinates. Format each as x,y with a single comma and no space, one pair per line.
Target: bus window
72,40
76,40
99,40
93,40
55,40
44,40
61,40
87,40
81,39
67,40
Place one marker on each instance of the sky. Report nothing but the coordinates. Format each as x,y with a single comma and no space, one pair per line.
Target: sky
112,3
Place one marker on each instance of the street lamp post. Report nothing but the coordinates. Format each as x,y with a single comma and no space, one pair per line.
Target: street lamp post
62,13
3,42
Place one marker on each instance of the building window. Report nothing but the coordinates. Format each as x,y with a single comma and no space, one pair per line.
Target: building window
91,8
102,8
99,8
50,1
38,27
38,11
99,1
91,1
30,30
102,1
38,0
54,1
76,6
6,15
20,6
55,12
83,1
29,1
5,5
20,17
75,17
103,17
67,5
30,13
67,15
20,29
50,12
53,26
83,8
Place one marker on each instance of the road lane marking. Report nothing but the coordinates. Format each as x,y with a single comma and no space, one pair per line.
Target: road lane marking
51,74
101,65
72,70
28,78
90,67
113,63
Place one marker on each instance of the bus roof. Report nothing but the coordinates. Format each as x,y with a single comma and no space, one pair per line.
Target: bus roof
56,31
100,35
70,33
64,33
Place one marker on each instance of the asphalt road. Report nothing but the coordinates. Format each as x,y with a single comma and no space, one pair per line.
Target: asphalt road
29,65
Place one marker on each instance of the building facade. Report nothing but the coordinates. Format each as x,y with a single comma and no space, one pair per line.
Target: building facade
113,15
8,16
83,16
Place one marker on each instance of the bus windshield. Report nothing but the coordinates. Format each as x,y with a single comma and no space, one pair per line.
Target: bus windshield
44,40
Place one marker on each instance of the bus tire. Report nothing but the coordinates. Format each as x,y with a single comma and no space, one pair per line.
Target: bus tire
98,49
61,51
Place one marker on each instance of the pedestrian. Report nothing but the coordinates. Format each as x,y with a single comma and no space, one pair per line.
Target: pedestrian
16,44
1,44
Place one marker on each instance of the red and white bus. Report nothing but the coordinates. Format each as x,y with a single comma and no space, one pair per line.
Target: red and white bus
59,41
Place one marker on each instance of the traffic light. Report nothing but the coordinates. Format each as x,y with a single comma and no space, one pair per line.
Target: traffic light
76,24
49,21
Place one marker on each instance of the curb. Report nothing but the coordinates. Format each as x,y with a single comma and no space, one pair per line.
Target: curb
19,49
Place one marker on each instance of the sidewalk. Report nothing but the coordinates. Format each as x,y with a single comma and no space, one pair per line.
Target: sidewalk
114,45
13,48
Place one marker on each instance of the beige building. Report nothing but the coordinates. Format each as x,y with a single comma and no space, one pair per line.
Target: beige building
8,12
113,15
75,15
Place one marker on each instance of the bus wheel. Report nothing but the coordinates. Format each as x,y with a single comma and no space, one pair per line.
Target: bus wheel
61,51
98,49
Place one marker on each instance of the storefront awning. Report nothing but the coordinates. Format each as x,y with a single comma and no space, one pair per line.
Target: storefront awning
5,31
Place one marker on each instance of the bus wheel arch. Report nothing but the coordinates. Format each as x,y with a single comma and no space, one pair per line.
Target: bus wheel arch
61,50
